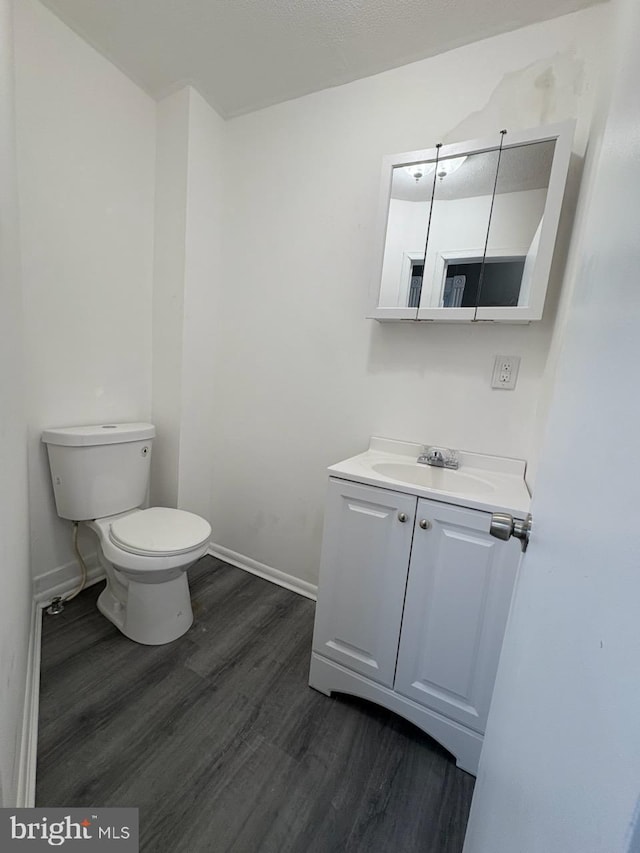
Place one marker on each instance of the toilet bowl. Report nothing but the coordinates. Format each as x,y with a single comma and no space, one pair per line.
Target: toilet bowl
145,554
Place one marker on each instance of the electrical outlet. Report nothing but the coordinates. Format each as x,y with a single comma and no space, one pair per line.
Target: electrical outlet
505,372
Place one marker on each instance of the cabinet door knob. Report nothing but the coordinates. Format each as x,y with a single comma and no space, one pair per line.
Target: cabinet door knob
424,524
402,516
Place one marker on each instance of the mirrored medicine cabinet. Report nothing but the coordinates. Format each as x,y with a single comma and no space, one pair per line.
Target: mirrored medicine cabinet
467,231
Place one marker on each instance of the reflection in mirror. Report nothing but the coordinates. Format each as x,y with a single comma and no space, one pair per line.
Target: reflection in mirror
407,223
516,223
458,233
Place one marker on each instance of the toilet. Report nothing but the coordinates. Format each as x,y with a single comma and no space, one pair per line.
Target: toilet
100,476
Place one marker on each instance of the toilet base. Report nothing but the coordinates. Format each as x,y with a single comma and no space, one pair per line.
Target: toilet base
153,614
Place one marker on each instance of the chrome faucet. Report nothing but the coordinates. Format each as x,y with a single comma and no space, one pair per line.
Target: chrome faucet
439,457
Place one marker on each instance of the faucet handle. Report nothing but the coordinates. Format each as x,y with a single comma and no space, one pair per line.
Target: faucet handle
441,457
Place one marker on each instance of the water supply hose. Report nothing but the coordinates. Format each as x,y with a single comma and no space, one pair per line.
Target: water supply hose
58,603
83,565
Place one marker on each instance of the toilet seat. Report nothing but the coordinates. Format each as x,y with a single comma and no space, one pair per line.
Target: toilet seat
159,532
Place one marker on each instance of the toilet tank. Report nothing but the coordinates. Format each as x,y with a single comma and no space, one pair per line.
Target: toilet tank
99,470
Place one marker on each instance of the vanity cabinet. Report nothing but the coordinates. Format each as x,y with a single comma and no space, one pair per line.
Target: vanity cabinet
412,605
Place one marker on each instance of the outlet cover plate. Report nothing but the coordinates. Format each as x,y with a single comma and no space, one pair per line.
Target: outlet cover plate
505,372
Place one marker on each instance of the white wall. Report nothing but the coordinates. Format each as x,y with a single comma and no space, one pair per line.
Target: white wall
86,146
300,378
186,275
172,140
561,762
14,547
203,281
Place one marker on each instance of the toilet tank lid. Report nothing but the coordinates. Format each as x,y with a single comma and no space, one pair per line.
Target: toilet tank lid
80,436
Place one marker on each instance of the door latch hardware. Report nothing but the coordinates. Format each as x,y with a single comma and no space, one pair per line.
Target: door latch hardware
503,526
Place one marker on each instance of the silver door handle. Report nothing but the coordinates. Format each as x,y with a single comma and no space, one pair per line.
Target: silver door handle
503,526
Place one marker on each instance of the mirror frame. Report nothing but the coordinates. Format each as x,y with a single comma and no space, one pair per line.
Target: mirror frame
562,133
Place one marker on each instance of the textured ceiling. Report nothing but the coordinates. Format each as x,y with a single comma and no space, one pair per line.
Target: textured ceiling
246,54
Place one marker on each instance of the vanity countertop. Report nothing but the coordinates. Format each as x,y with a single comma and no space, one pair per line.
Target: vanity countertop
491,483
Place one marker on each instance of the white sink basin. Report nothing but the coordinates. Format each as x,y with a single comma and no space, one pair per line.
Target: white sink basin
488,483
430,477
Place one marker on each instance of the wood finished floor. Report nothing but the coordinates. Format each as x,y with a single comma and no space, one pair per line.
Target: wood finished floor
220,742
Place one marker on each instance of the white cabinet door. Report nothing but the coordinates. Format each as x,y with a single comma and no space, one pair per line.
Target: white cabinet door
458,596
363,573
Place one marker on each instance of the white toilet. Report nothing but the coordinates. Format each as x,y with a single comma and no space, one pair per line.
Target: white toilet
100,476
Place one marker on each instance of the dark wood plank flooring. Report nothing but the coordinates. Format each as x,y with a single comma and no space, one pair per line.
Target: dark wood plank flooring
220,742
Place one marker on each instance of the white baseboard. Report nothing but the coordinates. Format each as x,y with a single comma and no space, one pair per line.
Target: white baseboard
64,579
26,797
291,582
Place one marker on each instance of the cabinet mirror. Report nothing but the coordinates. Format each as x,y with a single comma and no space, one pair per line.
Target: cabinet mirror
515,228
468,230
455,246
